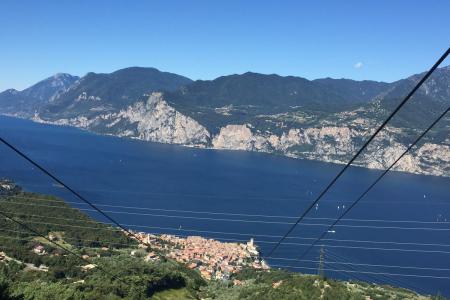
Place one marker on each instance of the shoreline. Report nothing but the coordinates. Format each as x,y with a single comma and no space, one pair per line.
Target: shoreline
286,155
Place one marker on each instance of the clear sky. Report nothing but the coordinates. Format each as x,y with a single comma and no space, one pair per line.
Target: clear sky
378,40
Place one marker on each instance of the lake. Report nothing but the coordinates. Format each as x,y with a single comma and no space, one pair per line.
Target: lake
399,234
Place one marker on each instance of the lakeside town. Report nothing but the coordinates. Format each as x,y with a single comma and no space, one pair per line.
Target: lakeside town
212,258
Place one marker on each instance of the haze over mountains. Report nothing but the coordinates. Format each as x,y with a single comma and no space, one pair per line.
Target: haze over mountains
324,119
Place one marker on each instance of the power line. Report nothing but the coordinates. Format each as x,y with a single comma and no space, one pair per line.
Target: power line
360,247
365,277
229,213
250,234
363,272
236,233
376,181
241,220
227,197
257,241
367,265
76,239
393,280
191,195
440,60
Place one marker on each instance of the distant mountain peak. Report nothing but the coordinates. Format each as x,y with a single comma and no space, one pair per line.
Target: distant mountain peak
63,75
27,101
49,86
10,91
250,73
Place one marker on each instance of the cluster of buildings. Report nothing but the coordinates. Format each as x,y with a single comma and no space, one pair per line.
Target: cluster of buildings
213,259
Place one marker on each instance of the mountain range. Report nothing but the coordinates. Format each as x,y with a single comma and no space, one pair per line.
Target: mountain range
323,119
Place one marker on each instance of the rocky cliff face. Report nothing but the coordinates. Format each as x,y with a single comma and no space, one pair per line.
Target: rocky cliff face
336,144
157,121
240,137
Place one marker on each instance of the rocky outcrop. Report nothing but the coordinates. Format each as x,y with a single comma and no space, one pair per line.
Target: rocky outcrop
159,122
337,144
428,159
240,137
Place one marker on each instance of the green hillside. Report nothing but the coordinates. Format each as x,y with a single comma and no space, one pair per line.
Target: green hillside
31,267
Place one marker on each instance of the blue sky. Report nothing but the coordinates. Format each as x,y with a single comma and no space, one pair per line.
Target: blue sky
378,40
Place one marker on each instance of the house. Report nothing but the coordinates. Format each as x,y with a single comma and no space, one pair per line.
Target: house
142,246
52,237
43,268
237,282
88,267
192,265
275,285
39,250
151,256
79,281
205,274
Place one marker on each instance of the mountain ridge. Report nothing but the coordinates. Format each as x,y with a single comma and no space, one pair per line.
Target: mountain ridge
323,119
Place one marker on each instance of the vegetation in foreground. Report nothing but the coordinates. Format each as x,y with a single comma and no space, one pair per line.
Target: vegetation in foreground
33,268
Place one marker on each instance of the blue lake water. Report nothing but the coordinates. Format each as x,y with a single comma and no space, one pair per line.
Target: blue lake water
403,224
